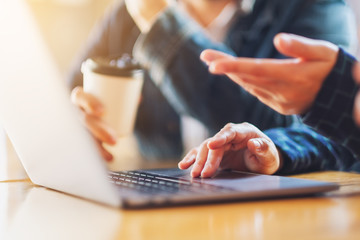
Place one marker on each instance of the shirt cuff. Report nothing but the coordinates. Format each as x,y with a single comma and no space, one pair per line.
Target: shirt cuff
334,103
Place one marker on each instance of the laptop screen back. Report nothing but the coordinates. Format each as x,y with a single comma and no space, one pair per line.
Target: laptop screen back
36,113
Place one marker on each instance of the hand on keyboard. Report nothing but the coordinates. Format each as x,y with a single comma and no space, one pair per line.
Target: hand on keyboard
240,147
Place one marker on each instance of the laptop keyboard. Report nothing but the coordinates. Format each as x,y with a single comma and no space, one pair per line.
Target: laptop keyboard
155,184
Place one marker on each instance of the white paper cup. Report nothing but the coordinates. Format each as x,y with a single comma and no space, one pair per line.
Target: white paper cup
117,83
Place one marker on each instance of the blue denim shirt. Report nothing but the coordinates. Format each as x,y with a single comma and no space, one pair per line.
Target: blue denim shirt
338,148
179,83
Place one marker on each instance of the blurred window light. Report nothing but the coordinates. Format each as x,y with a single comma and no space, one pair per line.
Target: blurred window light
66,2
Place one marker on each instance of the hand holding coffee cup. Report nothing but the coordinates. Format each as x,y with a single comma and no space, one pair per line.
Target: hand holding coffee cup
110,98
117,84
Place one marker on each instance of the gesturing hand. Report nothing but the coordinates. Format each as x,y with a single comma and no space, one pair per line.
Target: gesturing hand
289,86
240,147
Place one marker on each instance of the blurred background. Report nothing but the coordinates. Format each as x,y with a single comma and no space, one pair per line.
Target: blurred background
44,35
355,4
65,24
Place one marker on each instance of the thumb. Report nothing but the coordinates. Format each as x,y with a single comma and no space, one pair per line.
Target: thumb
301,47
262,156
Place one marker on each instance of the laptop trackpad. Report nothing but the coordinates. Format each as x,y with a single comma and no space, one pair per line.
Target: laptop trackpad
230,179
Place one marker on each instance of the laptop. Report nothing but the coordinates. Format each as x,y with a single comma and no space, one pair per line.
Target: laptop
58,152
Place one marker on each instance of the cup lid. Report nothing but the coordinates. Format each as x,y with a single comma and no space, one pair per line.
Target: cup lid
121,66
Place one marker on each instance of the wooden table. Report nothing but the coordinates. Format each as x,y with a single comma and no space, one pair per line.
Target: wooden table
30,212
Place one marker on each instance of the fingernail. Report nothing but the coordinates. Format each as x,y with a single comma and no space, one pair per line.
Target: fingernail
212,68
179,165
195,172
257,144
187,160
285,39
109,158
203,172
112,140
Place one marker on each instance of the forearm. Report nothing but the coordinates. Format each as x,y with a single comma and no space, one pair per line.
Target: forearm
173,35
332,112
305,150
171,52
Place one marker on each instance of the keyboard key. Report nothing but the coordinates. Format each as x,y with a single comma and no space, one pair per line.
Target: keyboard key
155,184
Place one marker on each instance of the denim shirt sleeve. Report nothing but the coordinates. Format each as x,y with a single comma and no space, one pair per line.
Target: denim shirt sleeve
304,150
332,111
170,52
172,30
332,142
